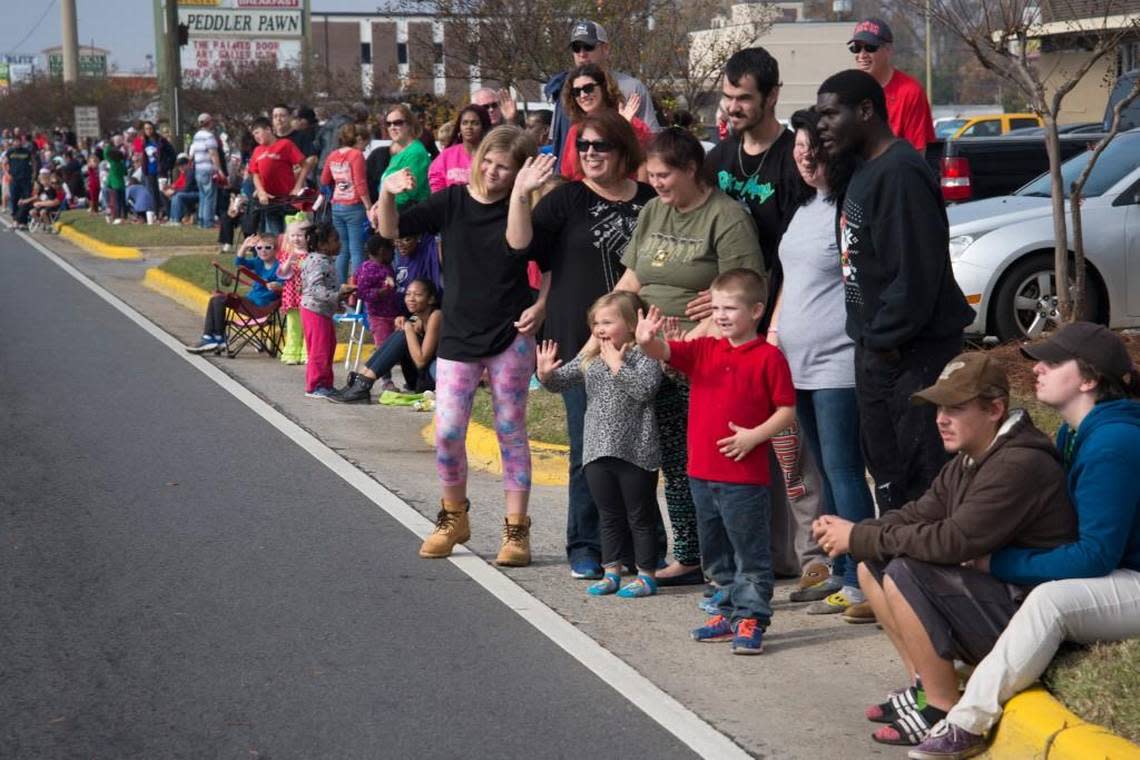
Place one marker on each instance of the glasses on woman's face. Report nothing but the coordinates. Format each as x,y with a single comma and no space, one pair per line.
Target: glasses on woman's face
396,123
599,146
858,47
586,89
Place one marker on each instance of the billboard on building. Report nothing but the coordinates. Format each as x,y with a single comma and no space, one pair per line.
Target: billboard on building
236,36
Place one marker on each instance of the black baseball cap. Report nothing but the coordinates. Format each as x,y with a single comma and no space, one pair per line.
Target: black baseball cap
873,31
1099,347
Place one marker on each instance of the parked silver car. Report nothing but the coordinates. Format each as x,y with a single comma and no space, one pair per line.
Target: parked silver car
1002,248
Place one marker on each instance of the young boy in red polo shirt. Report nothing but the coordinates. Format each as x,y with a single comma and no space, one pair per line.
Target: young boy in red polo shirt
275,168
741,394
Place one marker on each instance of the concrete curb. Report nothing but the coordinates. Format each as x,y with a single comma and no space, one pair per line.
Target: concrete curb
548,461
98,247
195,298
1035,725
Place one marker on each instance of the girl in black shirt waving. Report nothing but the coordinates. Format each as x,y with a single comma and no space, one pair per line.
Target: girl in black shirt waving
489,322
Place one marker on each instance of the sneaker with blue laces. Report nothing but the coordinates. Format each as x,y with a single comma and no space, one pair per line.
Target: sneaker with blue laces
607,585
712,604
586,569
716,628
636,589
749,638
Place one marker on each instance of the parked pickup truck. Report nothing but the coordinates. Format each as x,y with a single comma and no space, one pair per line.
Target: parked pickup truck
973,168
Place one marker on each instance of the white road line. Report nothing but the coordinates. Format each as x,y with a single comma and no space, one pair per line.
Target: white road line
673,716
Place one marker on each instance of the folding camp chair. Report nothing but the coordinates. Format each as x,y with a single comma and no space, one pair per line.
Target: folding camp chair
263,327
358,325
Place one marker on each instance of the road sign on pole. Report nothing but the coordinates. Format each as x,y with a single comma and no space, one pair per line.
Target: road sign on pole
87,122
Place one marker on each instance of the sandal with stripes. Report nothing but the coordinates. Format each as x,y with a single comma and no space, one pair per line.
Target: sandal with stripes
910,729
898,703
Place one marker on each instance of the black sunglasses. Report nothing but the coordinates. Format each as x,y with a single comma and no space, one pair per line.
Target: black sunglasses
586,89
859,47
599,146
579,47
396,122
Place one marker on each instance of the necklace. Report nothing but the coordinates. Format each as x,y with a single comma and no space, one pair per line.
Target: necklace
763,158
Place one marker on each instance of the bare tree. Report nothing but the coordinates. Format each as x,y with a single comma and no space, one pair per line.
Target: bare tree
1078,186
524,43
709,49
1005,35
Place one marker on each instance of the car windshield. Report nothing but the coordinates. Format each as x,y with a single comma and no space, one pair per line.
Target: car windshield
1120,157
944,129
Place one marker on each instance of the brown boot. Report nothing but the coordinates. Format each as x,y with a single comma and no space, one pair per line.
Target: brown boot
451,528
515,549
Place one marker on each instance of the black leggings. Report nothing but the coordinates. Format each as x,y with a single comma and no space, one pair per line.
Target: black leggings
626,496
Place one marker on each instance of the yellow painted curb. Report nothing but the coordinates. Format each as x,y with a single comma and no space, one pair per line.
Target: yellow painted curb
548,461
98,247
1035,725
195,298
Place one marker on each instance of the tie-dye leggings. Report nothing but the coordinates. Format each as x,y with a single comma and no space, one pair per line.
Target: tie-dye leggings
455,384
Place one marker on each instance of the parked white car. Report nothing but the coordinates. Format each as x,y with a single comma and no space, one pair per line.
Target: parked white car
1002,248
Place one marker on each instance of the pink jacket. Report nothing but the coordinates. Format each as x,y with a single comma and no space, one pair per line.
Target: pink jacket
451,167
344,170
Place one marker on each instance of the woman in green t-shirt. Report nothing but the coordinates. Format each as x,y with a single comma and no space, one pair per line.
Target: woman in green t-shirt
407,153
685,237
116,181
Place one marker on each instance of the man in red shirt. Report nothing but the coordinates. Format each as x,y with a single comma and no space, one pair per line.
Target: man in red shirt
908,110
276,169
740,395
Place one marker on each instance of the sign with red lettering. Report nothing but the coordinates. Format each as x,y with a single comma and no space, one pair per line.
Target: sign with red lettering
204,57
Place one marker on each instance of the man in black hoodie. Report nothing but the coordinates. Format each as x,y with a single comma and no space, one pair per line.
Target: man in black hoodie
905,311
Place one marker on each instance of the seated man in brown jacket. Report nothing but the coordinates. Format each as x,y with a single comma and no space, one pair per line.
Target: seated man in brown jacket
1004,486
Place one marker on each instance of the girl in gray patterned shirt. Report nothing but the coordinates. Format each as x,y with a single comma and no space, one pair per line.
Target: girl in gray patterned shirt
621,454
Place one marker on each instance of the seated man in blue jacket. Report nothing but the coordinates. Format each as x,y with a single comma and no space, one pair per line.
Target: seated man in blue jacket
1090,589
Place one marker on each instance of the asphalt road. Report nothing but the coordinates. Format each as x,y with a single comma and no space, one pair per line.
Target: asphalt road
179,579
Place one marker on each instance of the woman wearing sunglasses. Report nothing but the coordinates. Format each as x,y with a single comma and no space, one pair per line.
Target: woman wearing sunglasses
453,165
591,91
582,228
407,152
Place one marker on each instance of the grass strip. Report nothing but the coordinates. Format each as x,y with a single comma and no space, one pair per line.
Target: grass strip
136,235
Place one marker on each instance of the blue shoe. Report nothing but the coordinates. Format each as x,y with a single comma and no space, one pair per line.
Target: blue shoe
588,569
713,603
749,638
716,628
320,393
607,585
207,344
636,589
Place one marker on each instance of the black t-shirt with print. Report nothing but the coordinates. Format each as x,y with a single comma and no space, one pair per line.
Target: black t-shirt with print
21,161
581,236
485,282
768,184
894,250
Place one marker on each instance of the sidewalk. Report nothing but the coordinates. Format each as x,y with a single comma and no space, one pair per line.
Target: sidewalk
803,698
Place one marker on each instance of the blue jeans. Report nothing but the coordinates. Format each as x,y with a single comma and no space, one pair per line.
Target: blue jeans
829,423
583,533
394,351
734,527
180,202
349,224
207,196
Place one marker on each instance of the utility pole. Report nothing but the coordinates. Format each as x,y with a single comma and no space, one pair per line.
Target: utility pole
159,44
70,39
172,81
929,78
307,43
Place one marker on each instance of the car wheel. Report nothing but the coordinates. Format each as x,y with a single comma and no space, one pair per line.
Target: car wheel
1025,302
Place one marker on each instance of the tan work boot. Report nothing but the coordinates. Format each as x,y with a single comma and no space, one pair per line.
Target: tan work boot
451,528
515,549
